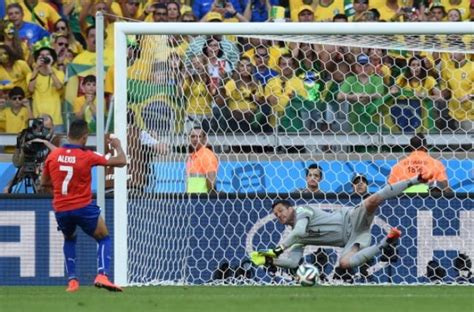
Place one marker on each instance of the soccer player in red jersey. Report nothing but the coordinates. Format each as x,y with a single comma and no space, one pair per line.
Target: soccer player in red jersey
67,174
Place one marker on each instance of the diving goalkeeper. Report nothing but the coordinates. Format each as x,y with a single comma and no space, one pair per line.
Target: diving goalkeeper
348,228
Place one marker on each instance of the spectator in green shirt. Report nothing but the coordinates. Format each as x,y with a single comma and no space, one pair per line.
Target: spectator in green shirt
364,93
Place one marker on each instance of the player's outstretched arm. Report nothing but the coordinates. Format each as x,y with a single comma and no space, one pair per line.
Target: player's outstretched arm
120,159
266,257
295,234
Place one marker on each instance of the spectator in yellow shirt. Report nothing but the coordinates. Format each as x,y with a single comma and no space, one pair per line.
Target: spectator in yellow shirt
45,84
88,57
244,98
4,88
13,69
84,107
61,46
197,89
461,5
280,90
12,39
458,82
61,27
412,90
40,12
19,111
360,8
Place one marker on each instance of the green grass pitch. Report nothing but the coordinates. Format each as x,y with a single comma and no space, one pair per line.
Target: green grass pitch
203,298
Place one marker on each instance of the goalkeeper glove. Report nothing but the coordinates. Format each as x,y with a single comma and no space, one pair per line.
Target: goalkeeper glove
257,258
265,257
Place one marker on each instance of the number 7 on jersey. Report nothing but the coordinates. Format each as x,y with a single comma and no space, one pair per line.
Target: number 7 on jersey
69,172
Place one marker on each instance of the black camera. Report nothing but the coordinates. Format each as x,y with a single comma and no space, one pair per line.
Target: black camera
33,152
409,10
46,60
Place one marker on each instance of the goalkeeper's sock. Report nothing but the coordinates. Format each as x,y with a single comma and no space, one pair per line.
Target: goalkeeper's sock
393,190
103,255
69,250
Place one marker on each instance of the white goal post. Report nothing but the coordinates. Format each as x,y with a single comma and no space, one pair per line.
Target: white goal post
292,30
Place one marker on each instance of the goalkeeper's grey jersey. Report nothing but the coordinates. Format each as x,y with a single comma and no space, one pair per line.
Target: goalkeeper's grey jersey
314,226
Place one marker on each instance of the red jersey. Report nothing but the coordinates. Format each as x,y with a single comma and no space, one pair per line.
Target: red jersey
70,170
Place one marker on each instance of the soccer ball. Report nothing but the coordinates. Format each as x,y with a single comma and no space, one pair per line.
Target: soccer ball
307,275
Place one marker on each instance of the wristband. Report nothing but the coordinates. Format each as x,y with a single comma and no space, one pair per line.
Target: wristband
278,250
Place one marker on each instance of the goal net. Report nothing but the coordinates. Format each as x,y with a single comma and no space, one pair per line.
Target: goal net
272,101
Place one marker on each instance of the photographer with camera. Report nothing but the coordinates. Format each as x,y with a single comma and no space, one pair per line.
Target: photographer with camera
45,84
33,146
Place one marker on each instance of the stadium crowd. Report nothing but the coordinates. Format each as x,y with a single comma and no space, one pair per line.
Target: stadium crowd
236,84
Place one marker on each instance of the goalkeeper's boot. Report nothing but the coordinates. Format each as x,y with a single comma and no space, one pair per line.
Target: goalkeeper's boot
393,235
102,281
72,285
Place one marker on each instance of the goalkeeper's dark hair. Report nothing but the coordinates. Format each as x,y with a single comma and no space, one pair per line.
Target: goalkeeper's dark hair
78,129
283,202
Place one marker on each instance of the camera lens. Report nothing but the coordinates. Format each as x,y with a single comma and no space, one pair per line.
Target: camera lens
46,60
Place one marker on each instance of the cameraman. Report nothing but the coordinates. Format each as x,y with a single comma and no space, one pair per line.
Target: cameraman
45,84
52,141
33,146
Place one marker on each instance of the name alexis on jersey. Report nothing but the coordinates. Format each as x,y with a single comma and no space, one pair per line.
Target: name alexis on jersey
67,159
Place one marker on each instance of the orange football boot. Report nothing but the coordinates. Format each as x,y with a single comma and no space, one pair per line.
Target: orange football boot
102,281
72,285
393,235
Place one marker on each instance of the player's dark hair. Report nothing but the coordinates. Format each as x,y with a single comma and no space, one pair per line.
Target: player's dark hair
77,129
283,202
418,142
314,166
89,78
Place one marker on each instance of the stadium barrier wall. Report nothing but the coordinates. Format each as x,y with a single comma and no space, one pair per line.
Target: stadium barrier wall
31,246
287,176
227,227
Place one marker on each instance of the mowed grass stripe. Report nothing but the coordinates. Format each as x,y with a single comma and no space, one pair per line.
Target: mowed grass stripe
202,298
